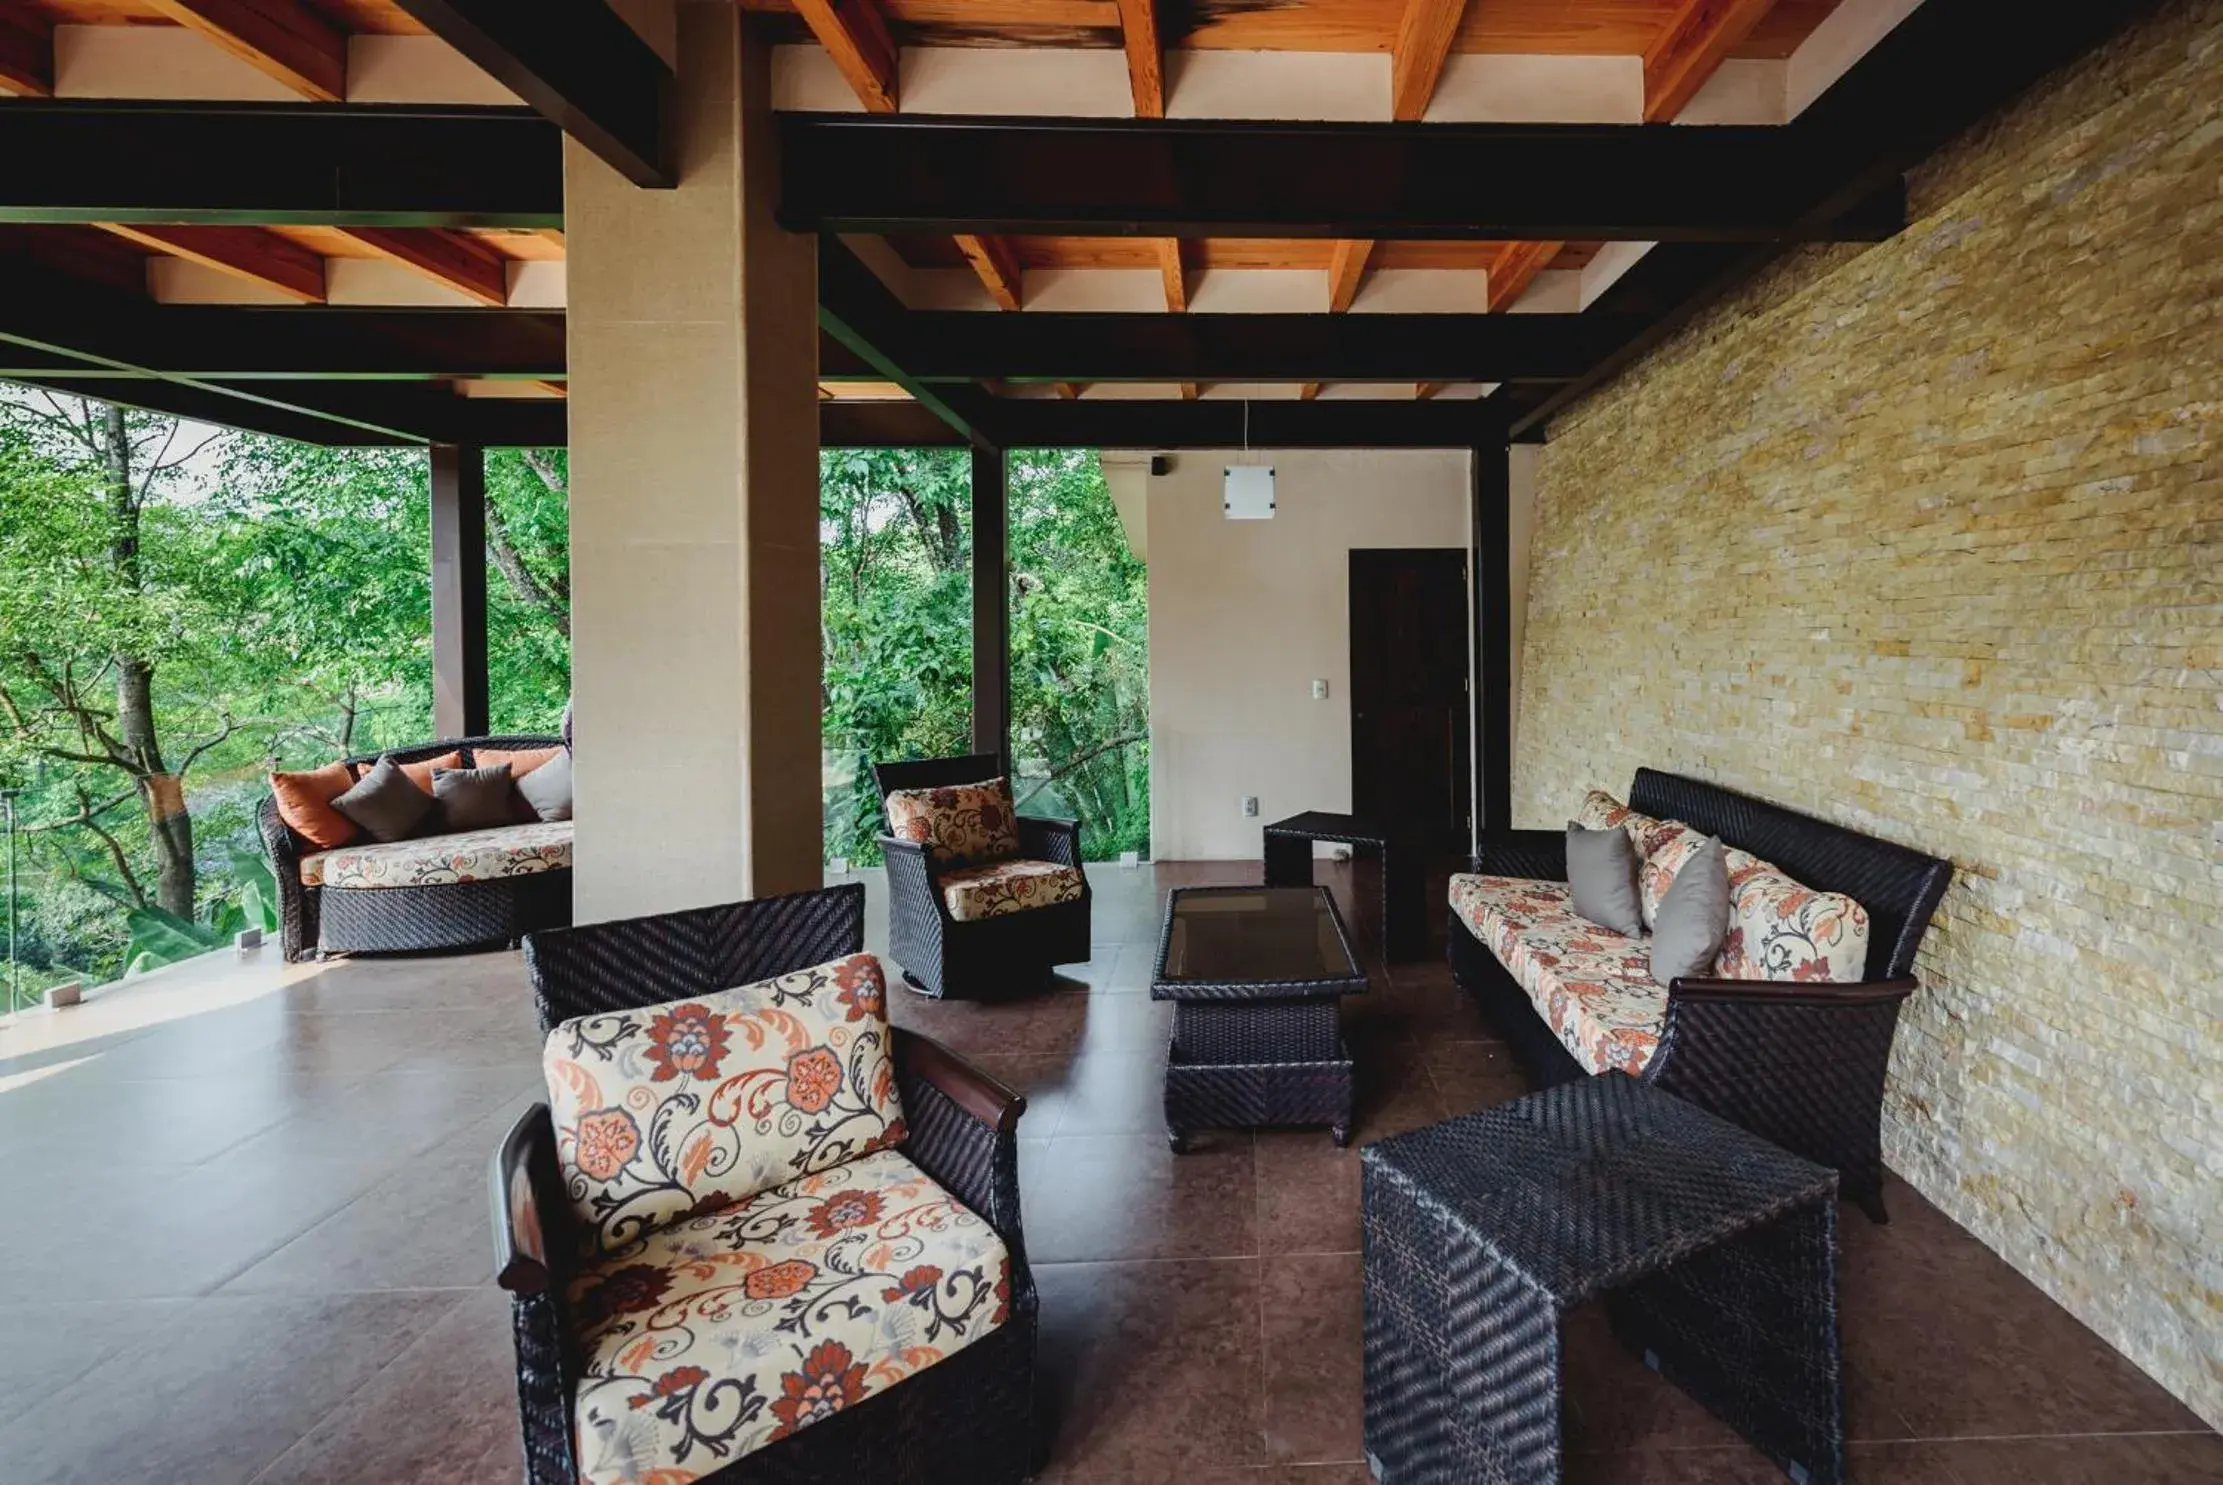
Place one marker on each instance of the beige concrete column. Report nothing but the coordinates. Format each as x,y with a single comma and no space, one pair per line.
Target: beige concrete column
694,502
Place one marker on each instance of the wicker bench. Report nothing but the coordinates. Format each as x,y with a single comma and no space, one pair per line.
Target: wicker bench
1801,1064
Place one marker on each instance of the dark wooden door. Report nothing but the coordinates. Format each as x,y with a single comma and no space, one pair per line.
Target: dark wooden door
1409,722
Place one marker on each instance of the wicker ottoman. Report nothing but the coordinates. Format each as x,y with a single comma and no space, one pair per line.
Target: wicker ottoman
1716,1252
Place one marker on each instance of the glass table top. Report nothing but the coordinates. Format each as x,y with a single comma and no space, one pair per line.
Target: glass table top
1233,935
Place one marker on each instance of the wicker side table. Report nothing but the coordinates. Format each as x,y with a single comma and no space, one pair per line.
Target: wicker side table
1716,1252
1288,850
1257,975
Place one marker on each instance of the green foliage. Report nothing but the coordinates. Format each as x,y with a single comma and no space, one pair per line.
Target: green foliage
895,528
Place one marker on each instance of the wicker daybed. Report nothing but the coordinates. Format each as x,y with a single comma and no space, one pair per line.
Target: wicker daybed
1799,1063
470,907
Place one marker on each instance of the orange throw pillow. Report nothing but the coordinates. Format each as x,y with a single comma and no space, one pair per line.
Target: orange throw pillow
521,761
420,774
305,804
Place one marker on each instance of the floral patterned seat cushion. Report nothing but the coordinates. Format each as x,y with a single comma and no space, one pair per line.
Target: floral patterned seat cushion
1593,987
957,822
663,1110
975,892
439,860
734,1328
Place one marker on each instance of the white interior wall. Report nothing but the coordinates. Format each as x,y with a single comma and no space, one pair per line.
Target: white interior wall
1244,615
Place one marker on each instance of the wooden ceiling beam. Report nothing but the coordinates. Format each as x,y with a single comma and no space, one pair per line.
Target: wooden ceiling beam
250,254
1070,391
1190,391
997,264
1424,35
281,39
460,262
1694,43
1346,269
1516,268
855,34
1174,272
1423,391
1308,391
1146,75
26,53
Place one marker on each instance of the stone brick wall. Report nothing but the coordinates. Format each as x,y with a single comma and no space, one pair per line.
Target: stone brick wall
1927,538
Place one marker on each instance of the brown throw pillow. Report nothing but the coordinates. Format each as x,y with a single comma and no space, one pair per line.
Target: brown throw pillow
472,799
386,803
305,803
420,774
521,761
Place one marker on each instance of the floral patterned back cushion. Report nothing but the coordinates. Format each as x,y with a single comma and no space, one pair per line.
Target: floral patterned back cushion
957,823
689,1107
1780,930
1665,846
1601,811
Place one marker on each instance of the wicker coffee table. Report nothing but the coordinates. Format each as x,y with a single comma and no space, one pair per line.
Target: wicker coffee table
1256,975
1716,1252
1404,916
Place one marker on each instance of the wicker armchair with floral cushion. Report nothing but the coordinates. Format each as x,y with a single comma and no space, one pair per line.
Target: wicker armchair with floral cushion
1789,1037
758,1235
433,891
981,899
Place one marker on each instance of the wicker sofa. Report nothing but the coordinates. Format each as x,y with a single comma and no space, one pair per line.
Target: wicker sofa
490,887
965,1420
1799,1063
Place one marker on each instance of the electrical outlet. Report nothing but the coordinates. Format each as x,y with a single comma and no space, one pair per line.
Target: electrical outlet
1320,690
1131,860
838,867
1250,806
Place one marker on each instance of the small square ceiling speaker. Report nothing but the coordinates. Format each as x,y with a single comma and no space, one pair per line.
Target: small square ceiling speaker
1249,493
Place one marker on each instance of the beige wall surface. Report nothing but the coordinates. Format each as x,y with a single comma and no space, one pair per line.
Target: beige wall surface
1245,615
1927,538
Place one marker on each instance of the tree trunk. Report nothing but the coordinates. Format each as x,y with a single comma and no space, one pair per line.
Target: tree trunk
169,827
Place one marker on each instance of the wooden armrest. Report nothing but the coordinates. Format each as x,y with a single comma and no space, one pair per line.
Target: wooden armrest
967,1086
1795,992
520,1243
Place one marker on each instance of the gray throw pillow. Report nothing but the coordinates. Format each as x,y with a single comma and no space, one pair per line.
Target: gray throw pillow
548,788
1601,870
386,802
473,798
1693,917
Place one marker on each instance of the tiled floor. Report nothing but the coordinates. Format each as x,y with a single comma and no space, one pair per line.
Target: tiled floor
250,1242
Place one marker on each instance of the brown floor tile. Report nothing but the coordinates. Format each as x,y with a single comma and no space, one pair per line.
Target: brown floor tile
1312,1318
443,1410
1471,1075
1150,1370
1308,1193
217,1391
2150,1459
49,1347
1091,1198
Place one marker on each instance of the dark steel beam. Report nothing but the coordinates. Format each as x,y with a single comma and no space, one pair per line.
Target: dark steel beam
459,681
1493,637
336,414
1286,423
860,314
276,164
207,405
578,64
882,425
991,607
1050,347
1202,178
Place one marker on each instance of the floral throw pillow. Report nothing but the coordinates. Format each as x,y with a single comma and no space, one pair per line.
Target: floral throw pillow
1780,930
686,1108
958,823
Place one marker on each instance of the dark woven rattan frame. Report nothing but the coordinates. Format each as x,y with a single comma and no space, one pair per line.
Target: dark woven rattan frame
1288,845
1716,1253
1249,1054
988,957
967,1420
1800,1064
454,915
